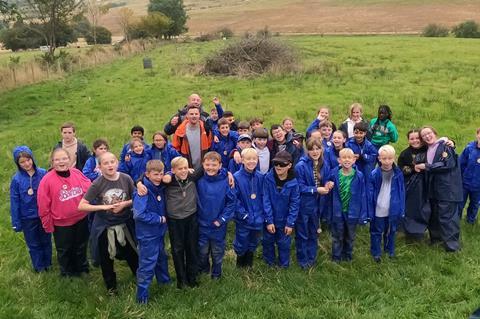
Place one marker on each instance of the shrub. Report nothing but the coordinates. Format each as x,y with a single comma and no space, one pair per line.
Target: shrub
467,29
435,30
104,36
207,37
225,32
252,56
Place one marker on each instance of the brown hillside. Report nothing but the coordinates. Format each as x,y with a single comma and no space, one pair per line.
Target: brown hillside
316,16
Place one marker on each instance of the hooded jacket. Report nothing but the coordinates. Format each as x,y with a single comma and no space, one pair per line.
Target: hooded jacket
280,205
397,194
181,144
22,204
225,145
311,201
216,200
166,155
367,155
249,199
470,166
90,170
136,166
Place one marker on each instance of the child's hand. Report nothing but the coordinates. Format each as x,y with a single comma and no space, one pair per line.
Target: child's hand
127,158
142,189
323,190
271,228
216,101
163,220
191,171
288,230
118,207
419,167
215,139
329,185
356,156
237,157
167,179
231,180
216,223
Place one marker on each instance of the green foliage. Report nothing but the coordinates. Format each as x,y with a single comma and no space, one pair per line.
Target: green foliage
156,25
61,61
21,37
467,29
422,282
104,36
225,32
435,30
175,11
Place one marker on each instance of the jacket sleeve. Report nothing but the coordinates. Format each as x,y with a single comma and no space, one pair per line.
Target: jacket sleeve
402,195
370,194
219,110
371,154
240,211
313,126
445,163
267,204
301,178
294,206
364,210
464,158
172,152
83,155
15,205
169,129
392,132
44,206
229,208
140,212
89,170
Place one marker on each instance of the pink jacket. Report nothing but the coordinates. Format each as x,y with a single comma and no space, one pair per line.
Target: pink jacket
58,198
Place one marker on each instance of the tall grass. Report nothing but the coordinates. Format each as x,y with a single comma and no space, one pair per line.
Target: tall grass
425,81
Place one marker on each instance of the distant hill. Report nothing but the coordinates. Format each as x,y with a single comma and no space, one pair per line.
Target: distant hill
314,16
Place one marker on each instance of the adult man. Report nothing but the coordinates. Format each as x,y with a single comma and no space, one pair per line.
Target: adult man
178,118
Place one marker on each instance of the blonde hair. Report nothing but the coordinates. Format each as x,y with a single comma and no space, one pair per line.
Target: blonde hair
178,161
387,149
345,152
355,106
155,165
249,151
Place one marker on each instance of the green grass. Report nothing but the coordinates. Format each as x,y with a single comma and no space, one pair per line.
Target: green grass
425,81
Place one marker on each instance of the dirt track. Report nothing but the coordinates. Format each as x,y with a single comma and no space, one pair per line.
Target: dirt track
317,16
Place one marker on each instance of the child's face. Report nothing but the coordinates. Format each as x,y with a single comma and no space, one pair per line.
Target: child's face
323,114
243,131
137,148
109,165
382,114
356,114
214,114
245,143
102,149
288,125
230,119
279,134
181,171
414,140
338,140
211,167
316,134
346,160
315,153
250,162
137,134
386,160
224,129
159,141
25,163
260,142
282,168
359,135
428,136
61,161
256,125
68,134
155,177
326,131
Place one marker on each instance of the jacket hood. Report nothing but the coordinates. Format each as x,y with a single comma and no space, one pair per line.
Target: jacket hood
20,149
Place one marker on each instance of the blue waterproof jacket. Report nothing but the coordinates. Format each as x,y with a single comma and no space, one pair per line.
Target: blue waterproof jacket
89,168
397,194
148,210
470,166
367,155
23,205
311,202
166,155
136,166
331,157
249,199
126,150
216,200
225,146
281,206
358,209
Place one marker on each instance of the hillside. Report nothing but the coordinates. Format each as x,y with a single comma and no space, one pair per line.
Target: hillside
316,16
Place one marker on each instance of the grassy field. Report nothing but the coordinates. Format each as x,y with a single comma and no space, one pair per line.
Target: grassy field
425,81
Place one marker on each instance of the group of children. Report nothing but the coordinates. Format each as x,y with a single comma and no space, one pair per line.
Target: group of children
270,188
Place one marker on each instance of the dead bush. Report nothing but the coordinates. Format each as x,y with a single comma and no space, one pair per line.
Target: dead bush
252,56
